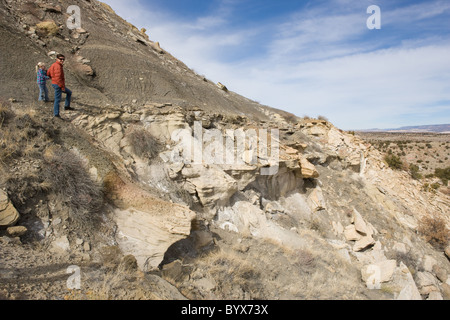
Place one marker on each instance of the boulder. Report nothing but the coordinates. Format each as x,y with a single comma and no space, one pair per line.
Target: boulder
446,291
105,128
308,169
409,292
351,234
148,234
404,280
435,295
8,213
60,245
428,263
440,273
4,200
363,243
156,46
355,160
426,282
447,251
16,231
316,200
315,128
400,247
222,87
360,224
213,186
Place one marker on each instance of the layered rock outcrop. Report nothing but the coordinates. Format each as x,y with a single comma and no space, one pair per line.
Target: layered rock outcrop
8,213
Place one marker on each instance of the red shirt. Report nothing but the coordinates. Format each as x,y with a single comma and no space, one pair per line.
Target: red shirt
56,72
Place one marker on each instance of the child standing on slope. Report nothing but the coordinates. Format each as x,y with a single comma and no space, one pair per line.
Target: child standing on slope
42,81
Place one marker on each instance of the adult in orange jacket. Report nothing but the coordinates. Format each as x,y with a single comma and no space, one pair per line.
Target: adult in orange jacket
56,73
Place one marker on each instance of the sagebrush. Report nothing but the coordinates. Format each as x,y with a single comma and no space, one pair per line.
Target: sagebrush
69,178
142,143
435,231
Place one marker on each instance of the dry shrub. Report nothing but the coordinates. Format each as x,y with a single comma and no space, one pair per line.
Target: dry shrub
8,145
435,231
305,259
47,28
112,183
21,134
68,177
230,271
142,143
5,111
291,118
22,138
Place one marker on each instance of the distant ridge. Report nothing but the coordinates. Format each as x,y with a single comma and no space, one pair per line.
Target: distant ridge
434,128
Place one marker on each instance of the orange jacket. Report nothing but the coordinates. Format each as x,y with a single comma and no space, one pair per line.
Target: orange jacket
56,72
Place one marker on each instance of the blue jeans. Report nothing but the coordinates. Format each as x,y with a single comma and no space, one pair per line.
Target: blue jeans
58,93
43,92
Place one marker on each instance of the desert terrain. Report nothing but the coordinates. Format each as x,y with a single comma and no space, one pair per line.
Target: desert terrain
428,151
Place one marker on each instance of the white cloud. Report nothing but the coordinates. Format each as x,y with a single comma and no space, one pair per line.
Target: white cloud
358,91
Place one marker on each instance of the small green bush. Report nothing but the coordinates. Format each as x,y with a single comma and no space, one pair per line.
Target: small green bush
414,171
394,161
443,174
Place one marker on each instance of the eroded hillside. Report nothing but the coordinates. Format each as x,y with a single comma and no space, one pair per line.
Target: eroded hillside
161,185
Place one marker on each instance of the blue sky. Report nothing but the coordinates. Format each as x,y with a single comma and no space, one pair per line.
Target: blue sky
314,57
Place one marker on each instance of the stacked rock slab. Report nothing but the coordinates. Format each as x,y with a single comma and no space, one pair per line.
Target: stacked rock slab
8,214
